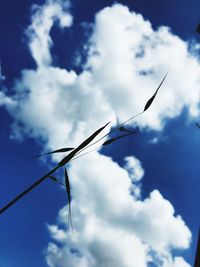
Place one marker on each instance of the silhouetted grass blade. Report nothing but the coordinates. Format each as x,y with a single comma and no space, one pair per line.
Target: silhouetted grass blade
89,139
110,141
81,146
84,145
150,101
68,190
121,128
61,150
64,161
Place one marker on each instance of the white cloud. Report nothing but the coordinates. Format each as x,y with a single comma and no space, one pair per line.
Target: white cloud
2,77
134,168
136,172
111,86
54,93
43,19
4,99
124,47
115,227
178,262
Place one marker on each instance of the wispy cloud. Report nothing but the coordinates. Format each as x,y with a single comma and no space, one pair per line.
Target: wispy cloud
43,19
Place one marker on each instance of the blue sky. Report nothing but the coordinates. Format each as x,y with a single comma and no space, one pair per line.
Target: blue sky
79,93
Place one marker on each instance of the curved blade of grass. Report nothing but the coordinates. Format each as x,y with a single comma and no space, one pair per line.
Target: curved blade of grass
96,149
76,151
68,190
64,161
61,150
110,141
81,146
150,101
89,139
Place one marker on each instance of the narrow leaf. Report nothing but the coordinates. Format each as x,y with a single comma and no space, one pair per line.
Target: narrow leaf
150,101
81,146
61,150
89,139
68,190
110,141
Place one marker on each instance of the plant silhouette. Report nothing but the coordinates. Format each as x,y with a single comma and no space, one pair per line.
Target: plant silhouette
76,153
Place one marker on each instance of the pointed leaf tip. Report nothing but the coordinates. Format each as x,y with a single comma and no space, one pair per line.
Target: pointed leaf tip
150,101
81,146
67,185
60,150
110,141
68,190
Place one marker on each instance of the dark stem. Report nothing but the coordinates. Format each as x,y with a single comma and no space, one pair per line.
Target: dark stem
30,188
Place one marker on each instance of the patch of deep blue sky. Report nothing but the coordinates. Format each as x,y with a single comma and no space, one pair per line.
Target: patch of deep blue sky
171,166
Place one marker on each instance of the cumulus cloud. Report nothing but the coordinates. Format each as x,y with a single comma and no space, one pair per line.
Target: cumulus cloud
134,57
113,228
126,61
121,73
69,106
178,262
